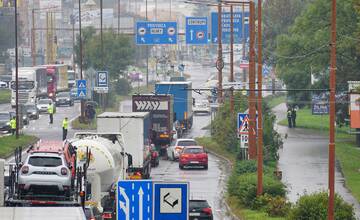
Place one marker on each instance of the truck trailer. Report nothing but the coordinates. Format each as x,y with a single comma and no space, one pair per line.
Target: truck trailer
161,112
135,128
182,94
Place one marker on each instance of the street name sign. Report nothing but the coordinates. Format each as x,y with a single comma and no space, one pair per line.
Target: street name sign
150,33
196,30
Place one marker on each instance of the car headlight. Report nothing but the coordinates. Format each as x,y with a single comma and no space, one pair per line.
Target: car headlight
34,113
24,117
68,99
7,123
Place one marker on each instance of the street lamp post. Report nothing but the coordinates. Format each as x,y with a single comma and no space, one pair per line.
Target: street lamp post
259,105
16,71
81,62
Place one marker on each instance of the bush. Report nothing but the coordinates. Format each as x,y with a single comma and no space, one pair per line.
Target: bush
278,206
122,86
315,206
244,187
245,166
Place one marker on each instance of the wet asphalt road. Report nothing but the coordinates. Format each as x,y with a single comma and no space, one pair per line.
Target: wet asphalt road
304,163
204,184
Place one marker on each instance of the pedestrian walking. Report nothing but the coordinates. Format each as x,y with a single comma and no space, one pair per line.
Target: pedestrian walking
65,125
293,117
51,112
289,118
13,125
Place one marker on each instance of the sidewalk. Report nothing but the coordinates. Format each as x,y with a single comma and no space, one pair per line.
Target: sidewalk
304,162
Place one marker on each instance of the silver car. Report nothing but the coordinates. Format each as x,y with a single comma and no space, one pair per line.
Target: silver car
173,152
45,173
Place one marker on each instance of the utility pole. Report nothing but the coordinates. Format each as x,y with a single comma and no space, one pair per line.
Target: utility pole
259,106
16,71
332,114
232,58
102,95
243,44
81,62
147,48
220,62
155,10
33,46
252,98
118,19
170,3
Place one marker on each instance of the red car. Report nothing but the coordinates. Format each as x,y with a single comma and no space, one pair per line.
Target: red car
193,156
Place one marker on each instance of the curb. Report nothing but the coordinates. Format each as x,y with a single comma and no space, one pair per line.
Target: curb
228,209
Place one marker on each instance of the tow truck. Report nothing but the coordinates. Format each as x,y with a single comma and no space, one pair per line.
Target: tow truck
14,197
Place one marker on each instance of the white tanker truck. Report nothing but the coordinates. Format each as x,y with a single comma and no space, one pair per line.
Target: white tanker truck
108,164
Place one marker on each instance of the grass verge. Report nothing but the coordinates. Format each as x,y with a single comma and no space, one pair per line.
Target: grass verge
235,206
5,95
348,155
274,100
9,143
320,123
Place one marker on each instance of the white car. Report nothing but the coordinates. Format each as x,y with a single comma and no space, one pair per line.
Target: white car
43,104
173,152
45,172
202,108
3,85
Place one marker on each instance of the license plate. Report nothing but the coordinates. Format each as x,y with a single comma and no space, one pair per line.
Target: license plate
194,214
196,162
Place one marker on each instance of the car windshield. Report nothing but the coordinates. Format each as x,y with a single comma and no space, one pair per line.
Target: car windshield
4,116
23,85
186,143
44,101
188,150
198,204
63,94
30,107
40,161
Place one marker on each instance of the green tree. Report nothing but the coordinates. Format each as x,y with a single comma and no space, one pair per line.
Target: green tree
118,52
305,49
279,15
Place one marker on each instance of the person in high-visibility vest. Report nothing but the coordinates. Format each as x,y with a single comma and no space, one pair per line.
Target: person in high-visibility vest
51,112
13,125
65,125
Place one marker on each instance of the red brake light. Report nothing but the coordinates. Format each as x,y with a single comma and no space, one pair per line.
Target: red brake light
178,148
64,171
107,215
92,218
25,170
207,211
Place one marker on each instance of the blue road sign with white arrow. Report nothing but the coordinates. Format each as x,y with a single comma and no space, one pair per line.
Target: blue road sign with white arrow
134,200
196,30
171,201
81,88
239,33
150,33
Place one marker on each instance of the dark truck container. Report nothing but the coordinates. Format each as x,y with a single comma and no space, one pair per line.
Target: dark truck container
161,112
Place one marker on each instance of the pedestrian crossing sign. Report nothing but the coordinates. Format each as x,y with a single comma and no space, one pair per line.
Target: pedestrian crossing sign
244,128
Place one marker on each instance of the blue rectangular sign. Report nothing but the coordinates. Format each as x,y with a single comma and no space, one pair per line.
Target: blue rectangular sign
134,200
81,88
239,33
171,201
196,30
102,79
149,33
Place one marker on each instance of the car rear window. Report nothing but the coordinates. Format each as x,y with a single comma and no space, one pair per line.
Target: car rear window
39,161
187,143
193,150
198,204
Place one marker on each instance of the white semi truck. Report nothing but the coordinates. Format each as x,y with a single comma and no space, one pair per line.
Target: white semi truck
32,84
135,128
108,164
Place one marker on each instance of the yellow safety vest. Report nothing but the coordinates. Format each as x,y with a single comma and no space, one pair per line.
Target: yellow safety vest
65,124
51,109
13,124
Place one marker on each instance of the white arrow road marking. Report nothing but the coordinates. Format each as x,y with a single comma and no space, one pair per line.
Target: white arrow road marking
125,206
141,194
